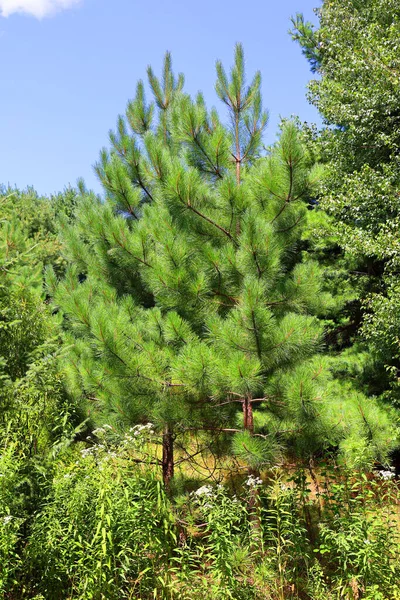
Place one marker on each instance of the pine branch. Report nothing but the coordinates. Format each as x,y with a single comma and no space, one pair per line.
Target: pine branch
189,206
286,229
121,245
215,170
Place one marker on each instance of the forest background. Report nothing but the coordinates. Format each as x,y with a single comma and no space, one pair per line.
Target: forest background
200,366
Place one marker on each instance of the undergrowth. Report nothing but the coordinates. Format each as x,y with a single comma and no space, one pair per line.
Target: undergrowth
108,530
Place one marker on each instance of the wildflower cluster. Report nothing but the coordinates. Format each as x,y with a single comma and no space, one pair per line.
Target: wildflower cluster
101,430
92,451
204,491
142,429
137,436
253,482
208,496
386,475
101,443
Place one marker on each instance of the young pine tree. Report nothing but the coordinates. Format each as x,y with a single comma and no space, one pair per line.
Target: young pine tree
186,302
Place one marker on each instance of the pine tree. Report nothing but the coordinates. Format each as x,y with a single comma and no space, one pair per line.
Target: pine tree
185,299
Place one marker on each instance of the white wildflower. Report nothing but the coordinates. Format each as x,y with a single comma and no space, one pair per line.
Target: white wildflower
7,519
253,482
205,490
386,475
99,430
87,452
138,430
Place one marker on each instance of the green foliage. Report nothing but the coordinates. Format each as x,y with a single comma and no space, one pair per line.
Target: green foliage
22,328
10,519
28,232
224,521
33,403
358,541
287,546
201,294
106,530
35,413
184,299
355,53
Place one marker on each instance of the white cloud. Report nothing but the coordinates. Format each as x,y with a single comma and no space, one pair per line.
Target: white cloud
37,8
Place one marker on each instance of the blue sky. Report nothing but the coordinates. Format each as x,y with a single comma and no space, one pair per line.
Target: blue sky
66,74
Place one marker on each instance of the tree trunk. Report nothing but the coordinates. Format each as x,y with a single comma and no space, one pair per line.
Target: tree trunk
168,456
254,500
248,421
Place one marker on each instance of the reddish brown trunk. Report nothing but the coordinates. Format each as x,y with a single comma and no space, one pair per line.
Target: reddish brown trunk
238,171
238,164
254,500
168,456
248,421
237,157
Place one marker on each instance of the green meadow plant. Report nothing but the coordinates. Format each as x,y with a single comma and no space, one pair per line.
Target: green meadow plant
288,548
107,530
10,520
358,544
